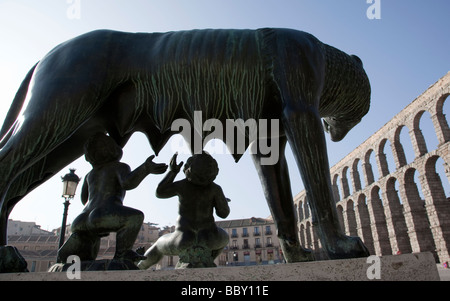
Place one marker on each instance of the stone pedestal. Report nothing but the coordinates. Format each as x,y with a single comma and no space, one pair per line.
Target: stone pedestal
407,267
196,257
96,265
11,260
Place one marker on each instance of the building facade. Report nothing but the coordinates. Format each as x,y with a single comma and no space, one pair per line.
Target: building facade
252,241
39,251
405,208
39,247
25,228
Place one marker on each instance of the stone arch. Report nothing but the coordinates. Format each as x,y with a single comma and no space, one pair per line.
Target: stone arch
397,147
335,187
416,218
301,216
356,175
437,206
383,167
413,194
422,123
443,170
350,217
306,208
302,235
346,189
378,223
439,119
369,177
391,192
434,180
395,220
364,223
308,242
340,213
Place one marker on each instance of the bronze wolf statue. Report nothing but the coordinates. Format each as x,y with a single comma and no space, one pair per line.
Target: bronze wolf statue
119,83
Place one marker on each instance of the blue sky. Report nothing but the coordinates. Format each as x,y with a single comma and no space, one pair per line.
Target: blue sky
404,52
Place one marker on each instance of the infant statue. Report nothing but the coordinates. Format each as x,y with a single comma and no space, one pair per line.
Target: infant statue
196,240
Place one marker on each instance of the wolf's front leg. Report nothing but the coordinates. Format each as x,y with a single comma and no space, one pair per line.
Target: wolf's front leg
277,189
306,137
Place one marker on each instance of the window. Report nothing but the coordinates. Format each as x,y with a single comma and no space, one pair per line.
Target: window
33,266
256,232
246,258
235,257
234,244
270,256
246,246
269,242
258,242
268,230
234,233
244,232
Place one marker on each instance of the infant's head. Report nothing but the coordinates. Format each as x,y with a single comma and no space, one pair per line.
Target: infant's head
101,149
201,169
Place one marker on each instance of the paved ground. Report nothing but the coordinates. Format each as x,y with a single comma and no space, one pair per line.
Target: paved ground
444,274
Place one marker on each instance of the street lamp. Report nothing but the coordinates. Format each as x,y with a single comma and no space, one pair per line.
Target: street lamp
70,183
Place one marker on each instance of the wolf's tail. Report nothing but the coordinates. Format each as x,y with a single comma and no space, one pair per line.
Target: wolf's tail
15,108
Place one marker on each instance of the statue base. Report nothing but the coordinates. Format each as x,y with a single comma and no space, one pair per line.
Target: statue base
11,261
97,265
405,267
196,257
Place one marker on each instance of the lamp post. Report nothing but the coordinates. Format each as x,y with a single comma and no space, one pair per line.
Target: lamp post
70,183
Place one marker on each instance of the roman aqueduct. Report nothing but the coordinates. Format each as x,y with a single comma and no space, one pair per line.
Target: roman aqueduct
405,209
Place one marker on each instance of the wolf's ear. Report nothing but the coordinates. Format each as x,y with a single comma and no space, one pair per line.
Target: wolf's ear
356,58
